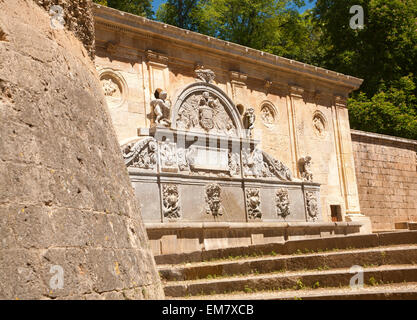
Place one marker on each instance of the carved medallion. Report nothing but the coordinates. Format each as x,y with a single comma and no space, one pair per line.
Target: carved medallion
161,108
171,201
319,124
268,115
142,154
282,203
113,87
213,200
253,203
311,205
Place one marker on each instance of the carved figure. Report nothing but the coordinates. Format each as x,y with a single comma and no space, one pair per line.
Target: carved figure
142,154
205,75
311,205
282,203
213,200
249,121
253,203
304,165
109,87
161,108
171,206
318,125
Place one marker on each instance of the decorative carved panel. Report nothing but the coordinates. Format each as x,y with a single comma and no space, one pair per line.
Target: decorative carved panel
282,203
213,200
253,203
171,201
312,207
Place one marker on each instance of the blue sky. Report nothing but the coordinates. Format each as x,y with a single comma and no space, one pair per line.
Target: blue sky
156,4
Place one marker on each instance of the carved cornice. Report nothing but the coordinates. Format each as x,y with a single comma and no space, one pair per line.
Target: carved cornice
340,101
295,91
156,58
238,77
140,25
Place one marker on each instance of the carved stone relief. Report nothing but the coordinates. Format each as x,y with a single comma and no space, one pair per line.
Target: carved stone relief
161,108
268,116
234,163
201,111
142,154
249,121
304,165
259,164
203,74
213,200
109,87
282,203
168,156
319,124
253,203
311,205
113,87
171,201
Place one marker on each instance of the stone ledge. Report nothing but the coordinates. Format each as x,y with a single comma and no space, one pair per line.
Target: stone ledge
187,237
382,137
247,225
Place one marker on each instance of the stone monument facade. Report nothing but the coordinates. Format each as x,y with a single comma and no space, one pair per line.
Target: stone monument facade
219,137
70,225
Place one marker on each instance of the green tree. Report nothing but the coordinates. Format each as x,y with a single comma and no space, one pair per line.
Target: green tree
137,7
180,13
383,53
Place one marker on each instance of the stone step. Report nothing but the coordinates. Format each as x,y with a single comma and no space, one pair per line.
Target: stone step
319,261
289,280
290,247
396,291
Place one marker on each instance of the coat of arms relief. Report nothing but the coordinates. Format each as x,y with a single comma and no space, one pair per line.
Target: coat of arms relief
203,111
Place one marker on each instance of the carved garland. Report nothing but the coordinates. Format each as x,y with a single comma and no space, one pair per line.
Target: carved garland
282,203
142,154
213,200
312,205
253,203
171,201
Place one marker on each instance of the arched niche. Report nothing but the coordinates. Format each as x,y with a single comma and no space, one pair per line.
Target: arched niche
191,111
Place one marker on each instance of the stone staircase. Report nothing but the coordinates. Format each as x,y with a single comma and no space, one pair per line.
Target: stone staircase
304,269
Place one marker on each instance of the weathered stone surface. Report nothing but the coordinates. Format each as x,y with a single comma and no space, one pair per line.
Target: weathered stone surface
65,195
387,178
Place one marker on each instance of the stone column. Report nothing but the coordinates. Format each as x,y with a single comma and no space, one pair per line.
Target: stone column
293,99
346,163
70,225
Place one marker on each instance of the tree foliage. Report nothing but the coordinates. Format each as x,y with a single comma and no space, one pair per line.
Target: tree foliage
383,53
180,13
137,7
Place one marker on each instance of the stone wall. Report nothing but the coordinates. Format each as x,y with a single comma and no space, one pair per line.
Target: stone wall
387,178
70,225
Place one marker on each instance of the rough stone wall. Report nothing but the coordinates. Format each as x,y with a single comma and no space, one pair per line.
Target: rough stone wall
387,178
70,226
77,17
